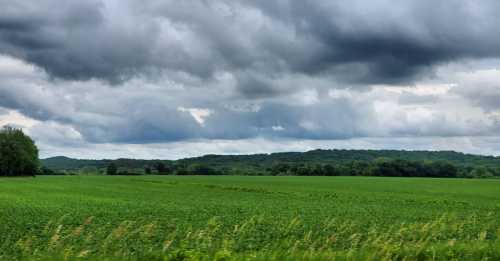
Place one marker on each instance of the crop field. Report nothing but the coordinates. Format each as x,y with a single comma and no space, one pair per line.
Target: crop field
252,218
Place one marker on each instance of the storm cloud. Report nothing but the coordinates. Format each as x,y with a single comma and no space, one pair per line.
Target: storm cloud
354,41
136,72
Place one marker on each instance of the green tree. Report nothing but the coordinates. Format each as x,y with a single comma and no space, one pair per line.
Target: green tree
112,169
481,172
162,169
442,169
18,153
330,170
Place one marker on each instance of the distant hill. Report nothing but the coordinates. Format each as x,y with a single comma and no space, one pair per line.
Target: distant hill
263,161
65,163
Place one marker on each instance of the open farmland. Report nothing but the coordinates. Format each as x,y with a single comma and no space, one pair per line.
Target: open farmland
234,217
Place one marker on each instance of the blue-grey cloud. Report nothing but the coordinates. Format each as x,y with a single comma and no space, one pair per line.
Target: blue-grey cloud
357,42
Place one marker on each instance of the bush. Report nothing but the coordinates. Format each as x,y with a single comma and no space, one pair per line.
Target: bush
18,153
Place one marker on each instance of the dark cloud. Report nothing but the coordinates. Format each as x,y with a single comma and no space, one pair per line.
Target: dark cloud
256,86
385,42
72,40
394,42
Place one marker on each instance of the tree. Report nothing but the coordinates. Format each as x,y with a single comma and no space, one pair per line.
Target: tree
442,169
317,170
481,172
112,169
162,168
279,169
147,170
18,153
330,170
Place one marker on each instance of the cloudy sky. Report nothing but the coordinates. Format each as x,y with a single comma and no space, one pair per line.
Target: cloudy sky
171,79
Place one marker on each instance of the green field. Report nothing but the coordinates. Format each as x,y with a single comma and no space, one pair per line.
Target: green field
231,217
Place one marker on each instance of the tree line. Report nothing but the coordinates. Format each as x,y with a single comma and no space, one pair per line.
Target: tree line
161,168
384,167
19,157
381,167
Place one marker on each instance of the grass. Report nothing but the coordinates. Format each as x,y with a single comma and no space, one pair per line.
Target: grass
225,218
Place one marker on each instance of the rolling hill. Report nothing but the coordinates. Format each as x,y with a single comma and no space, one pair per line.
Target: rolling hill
263,161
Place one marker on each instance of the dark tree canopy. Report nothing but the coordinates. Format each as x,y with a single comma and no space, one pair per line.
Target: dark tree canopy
394,163
112,169
162,169
18,153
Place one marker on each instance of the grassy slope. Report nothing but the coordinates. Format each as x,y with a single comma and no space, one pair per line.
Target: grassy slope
136,216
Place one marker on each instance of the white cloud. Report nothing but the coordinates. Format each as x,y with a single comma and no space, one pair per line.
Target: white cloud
198,114
16,119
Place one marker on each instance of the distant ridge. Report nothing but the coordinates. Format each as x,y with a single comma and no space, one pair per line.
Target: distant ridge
259,161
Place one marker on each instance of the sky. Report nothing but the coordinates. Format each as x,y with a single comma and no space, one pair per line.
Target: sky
172,79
